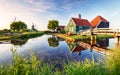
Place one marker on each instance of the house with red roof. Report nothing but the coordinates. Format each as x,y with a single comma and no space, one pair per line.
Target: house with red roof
99,22
77,25
60,27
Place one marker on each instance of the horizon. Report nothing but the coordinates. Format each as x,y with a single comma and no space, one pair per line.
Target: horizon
40,12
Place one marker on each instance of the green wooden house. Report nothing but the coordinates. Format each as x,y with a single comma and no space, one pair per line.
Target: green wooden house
77,25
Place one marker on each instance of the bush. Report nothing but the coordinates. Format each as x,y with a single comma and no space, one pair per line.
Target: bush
63,31
46,32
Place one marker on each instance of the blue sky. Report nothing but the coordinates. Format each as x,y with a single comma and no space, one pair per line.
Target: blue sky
40,12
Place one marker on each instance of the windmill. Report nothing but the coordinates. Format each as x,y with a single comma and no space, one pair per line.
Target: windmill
33,27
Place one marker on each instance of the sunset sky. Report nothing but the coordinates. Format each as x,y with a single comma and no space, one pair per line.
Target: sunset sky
40,12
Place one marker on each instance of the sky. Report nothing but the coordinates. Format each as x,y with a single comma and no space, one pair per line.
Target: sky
40,12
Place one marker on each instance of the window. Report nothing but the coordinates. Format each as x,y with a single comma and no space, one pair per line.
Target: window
71,29
80,28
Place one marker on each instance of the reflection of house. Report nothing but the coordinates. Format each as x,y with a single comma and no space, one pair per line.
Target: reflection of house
99,22
77,24
76,48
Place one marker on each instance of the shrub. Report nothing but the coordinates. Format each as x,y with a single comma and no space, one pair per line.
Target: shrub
63,31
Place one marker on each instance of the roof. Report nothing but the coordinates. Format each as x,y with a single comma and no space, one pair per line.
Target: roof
62,26
97,20
81,22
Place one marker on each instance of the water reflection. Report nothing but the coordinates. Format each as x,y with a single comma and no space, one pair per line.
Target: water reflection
80,46
104,43
19,42
53,41
52,48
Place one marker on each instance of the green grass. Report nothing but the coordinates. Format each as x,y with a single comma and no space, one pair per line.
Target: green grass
31,66
5,37
104,36
18,35
79,37
28,35
113,62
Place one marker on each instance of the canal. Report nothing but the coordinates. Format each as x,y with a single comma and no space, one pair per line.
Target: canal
49,47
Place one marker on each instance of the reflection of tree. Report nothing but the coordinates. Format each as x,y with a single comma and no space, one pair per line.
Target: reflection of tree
18,41
53,42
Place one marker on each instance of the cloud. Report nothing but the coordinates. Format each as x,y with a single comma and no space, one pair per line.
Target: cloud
40,5
26,10
68,5
115,13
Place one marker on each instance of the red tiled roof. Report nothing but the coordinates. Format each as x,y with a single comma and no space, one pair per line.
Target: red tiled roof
96,21
62,26
81,22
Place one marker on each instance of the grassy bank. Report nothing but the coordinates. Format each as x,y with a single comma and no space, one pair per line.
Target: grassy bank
25,35
28,35
104,36
24,66
80,37
5,37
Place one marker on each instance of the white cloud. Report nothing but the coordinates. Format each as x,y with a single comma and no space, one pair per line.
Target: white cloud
25,11
115,13
40,5
68,5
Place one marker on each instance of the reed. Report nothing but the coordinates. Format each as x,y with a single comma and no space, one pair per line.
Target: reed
22,65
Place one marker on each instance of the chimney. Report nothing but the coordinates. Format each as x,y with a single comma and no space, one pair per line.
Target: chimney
79,16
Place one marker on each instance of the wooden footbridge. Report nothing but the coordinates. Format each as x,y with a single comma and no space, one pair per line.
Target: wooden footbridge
94,47
106,31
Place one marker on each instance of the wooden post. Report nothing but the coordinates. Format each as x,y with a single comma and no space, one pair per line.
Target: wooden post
117,39
93,39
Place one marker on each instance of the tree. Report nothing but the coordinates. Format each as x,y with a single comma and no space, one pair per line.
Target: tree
18,26
53,24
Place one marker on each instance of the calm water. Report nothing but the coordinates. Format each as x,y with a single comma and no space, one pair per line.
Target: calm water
52,48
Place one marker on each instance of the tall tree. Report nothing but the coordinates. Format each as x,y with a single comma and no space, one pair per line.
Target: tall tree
53,24
18,26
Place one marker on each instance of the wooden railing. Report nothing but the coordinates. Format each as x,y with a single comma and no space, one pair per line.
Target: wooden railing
109,31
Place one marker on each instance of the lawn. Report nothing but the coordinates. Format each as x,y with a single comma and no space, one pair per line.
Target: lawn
83,37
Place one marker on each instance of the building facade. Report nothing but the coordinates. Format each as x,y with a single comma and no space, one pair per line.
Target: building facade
77,25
